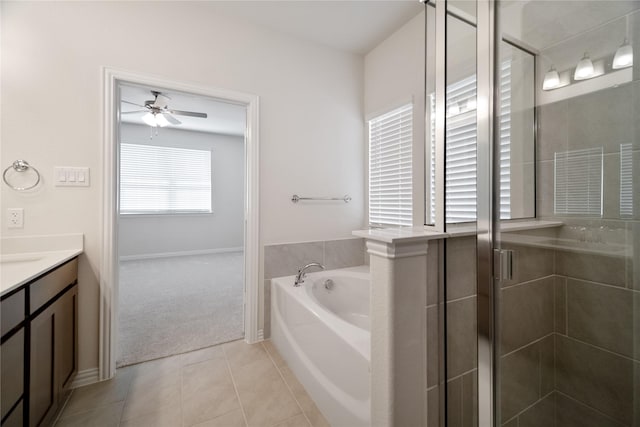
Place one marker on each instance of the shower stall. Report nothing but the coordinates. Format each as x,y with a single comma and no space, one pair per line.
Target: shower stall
533,129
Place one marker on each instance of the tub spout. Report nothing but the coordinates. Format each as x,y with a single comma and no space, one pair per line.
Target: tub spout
303,272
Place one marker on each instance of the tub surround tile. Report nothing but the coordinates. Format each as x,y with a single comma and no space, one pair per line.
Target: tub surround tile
432,346
286,259
433,271
608,325
597,378
344,253
527,313
433,407
470,399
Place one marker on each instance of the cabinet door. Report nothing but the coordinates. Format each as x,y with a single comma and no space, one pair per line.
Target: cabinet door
42,392
15,419
66,339
12,373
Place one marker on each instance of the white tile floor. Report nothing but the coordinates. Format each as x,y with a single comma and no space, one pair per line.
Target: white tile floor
233,384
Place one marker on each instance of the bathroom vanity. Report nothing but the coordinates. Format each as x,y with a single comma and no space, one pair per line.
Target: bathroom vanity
39,344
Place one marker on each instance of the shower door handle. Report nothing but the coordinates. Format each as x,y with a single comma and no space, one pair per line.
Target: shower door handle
503,264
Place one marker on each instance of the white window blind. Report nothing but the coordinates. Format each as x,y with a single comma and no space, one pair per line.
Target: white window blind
461,146
164,180
578,182
626,180
390,176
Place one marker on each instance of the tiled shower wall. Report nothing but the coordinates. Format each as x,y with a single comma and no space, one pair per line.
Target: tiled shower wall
285,260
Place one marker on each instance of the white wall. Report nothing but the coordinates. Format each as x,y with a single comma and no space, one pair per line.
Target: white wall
223,229
394,76
311,129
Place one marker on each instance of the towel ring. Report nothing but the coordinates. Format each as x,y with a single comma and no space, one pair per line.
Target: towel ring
20,166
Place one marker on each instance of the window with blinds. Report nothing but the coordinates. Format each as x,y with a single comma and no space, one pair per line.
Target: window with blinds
461,144
390,175
578,182
626,180
164,180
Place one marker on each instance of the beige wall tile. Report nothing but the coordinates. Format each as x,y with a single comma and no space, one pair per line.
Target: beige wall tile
543,413
454,402
594,268
530,263
460,267
470,399
560,304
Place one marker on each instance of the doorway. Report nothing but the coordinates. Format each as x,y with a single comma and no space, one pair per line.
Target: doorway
181,237
190,286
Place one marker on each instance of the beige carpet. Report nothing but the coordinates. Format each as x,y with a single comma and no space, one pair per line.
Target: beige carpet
175,305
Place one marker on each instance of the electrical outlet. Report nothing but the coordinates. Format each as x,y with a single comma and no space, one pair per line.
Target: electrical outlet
15,218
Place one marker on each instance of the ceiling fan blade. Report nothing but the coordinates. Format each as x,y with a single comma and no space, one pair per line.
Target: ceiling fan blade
133,112
171,119
133,103
188,113
161,100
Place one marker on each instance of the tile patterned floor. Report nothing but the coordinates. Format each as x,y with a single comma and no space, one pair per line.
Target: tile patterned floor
229,385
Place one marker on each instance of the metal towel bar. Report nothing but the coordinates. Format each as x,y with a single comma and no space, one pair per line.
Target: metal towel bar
295,198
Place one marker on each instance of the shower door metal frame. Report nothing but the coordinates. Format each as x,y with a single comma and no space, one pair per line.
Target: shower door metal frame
487,209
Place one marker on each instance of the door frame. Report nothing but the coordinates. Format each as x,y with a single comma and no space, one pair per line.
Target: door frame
111,78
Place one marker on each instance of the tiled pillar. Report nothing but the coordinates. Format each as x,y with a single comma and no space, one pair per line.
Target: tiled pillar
398,327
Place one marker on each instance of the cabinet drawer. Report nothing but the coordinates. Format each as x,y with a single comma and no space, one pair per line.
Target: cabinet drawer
11,311
12,371
50,285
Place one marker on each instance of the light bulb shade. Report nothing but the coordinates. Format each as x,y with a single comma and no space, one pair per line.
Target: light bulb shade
551,79
584,69
161,120
150,119
623,57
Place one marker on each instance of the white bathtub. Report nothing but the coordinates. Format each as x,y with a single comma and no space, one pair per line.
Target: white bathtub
324,337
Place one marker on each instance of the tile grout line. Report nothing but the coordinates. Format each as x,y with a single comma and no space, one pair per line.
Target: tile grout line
235,388
286,384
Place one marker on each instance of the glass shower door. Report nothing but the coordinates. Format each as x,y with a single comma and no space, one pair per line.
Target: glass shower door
566,162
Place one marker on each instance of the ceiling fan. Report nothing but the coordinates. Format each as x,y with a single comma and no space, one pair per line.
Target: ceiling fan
158,112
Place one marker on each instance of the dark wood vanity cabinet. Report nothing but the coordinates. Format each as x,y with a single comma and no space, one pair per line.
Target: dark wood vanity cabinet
39,354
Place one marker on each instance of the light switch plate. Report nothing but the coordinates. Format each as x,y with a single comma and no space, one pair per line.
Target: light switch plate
71,176
15,218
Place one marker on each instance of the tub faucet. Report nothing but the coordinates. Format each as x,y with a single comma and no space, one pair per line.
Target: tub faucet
302,272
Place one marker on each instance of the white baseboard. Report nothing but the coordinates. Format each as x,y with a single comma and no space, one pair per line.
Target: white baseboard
86,377
180,253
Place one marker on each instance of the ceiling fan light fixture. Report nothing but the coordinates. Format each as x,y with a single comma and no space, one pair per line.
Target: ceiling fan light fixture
161,120
150,119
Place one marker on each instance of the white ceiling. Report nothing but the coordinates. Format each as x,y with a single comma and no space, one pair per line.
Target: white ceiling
222,117
355,26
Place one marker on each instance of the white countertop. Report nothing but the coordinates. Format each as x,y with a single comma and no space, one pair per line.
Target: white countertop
24,258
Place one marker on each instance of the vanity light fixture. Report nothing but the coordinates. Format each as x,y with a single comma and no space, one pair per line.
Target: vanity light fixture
623,57
584,69
551,79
